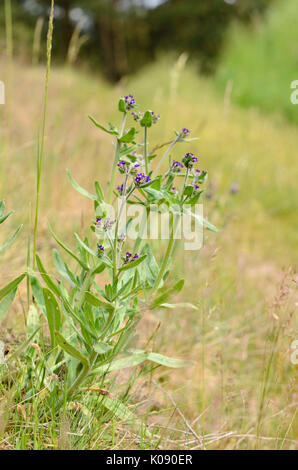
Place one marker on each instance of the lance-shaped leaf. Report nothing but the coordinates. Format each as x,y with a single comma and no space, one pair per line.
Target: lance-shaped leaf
109,131
10,240
132,264
47,279
11,286
68,250
78,188
70,349
6,303
96,302
53,314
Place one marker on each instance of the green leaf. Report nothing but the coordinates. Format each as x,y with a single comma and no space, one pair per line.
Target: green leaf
128,137
118,409
99,192
70,349
10,239
147,119
78,188
96,302
86,247
167,361
101,347
179,305
6,303
132,264
109,131
121,106
62,268
201,220
53,314
47,279
11,286
123,363
4,217
32,321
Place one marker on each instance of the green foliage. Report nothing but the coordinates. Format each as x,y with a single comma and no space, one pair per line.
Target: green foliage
260,62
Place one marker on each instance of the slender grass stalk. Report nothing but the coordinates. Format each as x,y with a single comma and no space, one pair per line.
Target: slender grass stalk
37,41
9,54
40,153
267,372
8,29
116,159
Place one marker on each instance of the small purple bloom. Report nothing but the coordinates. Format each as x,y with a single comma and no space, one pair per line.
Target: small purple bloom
189,159
120,189
141,178
184,132
136,256
130,102
123,166
100,250
176,166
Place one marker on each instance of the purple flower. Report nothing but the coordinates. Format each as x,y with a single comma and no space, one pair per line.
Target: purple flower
100,250
141,178
123,166
136,256
176,166
189,159
134,169
130,102
120,189
155,117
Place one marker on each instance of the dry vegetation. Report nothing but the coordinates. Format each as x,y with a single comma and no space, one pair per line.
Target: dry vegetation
241,391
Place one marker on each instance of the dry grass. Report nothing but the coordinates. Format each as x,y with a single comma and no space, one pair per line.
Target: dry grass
243,279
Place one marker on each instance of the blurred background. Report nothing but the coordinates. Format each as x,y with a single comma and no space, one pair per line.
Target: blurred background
224,69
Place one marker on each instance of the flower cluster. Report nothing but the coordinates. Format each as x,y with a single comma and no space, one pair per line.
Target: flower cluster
104,224
141,178
100,250
176,166
130,102
139,116
184,132
126,167
129,258
189,160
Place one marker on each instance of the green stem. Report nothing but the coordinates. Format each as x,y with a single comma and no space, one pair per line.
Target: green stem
41,148
145,151
86,369
165,259
116,159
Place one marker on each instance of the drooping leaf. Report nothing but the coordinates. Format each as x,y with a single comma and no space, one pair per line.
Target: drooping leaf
109,131
47,279
78,188
70,349
10,240
6,303
11,286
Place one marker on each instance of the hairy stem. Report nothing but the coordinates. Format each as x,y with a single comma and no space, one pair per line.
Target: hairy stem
116,159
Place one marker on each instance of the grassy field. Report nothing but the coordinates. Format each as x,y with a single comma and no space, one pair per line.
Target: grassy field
260,62
241,392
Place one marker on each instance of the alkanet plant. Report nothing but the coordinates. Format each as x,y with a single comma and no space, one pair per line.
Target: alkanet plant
92,322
